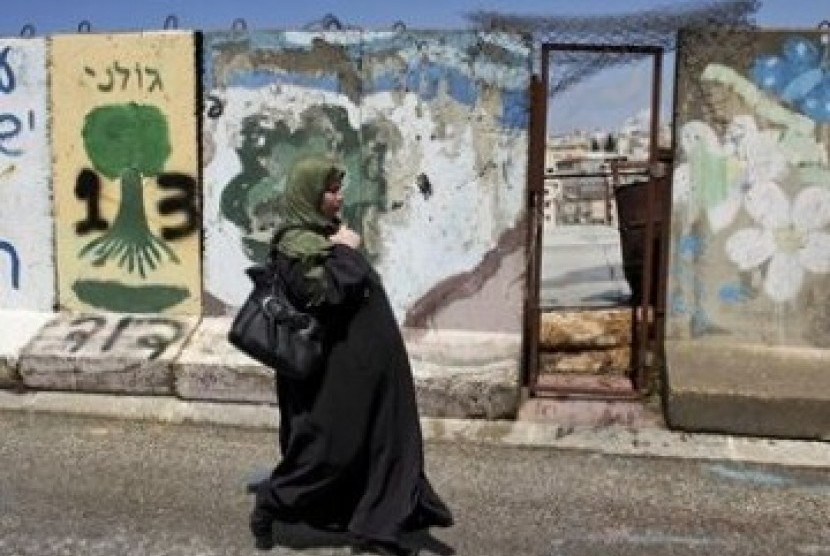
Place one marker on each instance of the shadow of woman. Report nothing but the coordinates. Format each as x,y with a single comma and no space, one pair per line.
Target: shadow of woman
298,536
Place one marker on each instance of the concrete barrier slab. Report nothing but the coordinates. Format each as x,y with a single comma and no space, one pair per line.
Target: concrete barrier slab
464,374
210,368
106,353
749,389
19,327
457,374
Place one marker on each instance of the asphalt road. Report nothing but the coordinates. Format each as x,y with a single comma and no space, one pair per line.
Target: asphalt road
91,487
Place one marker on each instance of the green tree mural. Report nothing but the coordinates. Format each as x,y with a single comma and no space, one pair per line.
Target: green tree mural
128,142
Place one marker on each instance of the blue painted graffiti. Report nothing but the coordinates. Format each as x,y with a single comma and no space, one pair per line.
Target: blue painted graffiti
259,78
7,79
10,127
515,109
10,124
678,303
733,293
457,75
690,246
700,323
799,75
15,262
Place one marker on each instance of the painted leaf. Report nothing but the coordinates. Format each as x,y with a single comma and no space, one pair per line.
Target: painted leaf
119,137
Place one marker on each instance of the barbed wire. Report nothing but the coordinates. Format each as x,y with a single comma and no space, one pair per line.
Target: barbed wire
653,27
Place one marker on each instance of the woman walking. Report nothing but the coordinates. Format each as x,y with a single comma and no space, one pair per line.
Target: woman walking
352,457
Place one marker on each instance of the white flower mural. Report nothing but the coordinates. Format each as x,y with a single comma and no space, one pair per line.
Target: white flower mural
790,236
717,174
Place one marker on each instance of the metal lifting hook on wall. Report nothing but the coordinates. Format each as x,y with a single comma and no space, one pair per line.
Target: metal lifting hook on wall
27,30
171,22
326,23
331,23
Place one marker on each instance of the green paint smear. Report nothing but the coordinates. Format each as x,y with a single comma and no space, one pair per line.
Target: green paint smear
814,175
120,298
269,151
714,174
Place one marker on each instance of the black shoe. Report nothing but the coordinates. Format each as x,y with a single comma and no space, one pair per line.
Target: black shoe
254,486
261,524
264,542
256,479
383,548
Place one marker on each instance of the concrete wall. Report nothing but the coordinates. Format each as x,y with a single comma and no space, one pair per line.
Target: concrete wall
432,128
749,277
125,172
26,266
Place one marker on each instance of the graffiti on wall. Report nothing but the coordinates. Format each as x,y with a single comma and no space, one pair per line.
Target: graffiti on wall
25,224
126,172
751,208
118,76
431,128
268,151
151,334
109,352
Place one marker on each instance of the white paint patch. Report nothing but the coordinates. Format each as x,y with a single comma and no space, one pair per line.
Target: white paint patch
305,39
26,265
19,327
432,238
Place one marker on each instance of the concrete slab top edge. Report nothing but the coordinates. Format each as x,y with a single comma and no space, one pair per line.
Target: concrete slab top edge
625,441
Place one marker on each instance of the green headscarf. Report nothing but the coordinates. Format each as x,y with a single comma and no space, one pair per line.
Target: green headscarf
300,204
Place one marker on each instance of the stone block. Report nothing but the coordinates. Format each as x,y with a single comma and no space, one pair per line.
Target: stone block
210,368
105,352
456,374
590,413
592,330
748,389
613,361
463,374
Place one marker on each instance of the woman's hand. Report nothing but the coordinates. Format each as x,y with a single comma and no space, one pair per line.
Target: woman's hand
346,236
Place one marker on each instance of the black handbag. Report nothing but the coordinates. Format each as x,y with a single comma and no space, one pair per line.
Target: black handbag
271,330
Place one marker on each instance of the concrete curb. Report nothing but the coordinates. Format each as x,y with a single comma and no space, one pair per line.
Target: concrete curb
612,440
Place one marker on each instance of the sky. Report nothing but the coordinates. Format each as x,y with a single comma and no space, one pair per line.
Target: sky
618,94
63,16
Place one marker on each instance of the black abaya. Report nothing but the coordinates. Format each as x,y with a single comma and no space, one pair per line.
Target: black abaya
350,438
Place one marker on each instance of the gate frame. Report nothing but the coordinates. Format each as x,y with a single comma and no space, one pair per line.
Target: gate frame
643,315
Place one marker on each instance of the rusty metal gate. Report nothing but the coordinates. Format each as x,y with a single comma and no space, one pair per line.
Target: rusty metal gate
643,210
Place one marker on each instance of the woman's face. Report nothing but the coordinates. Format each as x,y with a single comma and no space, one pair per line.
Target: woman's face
332,200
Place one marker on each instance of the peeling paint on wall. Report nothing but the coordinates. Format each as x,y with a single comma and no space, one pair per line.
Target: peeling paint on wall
126,172
455,107
751,209
26,268
431,127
